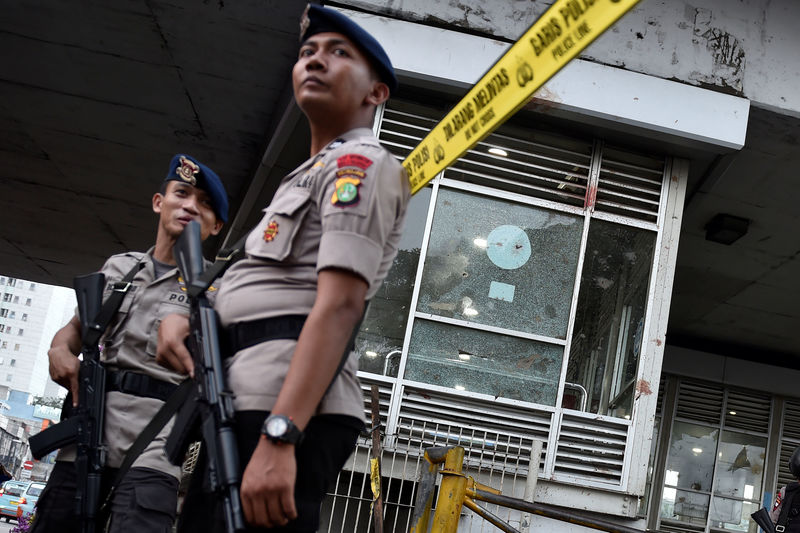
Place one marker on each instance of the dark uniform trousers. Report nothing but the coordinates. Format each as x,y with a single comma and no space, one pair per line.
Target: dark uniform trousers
145,501
327,443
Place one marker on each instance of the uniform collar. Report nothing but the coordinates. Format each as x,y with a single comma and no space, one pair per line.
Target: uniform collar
151,267
351,135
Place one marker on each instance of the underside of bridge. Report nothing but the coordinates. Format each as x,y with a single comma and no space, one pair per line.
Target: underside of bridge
95,98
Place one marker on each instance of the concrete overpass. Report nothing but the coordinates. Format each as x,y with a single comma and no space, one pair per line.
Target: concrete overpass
95,97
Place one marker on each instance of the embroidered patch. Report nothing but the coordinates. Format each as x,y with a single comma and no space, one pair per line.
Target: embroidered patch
354,160
271,231
187,171
351,173
346,192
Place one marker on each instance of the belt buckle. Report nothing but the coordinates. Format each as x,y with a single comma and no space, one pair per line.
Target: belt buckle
780,529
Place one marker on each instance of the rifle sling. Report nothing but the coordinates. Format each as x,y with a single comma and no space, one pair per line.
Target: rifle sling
150,431
111,305
224,259
103,319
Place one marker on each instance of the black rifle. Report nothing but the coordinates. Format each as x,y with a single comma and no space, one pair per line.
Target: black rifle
84,427
761,517
212,408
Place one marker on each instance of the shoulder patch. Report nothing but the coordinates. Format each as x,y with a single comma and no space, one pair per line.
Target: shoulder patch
354,160
351,173
346,193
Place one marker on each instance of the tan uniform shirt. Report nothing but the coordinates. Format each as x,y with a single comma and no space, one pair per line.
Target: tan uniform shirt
130,344
343,208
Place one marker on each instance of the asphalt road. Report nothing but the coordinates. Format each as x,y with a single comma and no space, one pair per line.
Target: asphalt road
5,527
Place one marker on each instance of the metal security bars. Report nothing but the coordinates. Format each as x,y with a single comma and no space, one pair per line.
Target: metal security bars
488,390
790,439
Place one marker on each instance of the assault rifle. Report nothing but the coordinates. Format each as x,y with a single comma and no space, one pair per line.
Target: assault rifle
212,405
84,427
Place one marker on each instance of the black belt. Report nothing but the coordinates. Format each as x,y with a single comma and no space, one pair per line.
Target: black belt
243,335
138,385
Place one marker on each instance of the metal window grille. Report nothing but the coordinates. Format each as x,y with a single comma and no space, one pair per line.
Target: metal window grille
790,439
578,174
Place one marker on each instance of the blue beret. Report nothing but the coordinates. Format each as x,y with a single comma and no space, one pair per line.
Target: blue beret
187,169
318,19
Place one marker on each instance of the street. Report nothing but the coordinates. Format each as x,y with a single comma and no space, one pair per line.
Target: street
7,526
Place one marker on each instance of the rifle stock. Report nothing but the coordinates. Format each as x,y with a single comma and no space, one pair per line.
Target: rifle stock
212,408
762,518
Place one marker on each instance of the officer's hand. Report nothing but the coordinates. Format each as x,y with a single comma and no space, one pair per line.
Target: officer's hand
64,369
268,485
171,351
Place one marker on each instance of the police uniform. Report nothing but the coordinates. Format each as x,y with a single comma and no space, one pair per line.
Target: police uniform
136,388
344,209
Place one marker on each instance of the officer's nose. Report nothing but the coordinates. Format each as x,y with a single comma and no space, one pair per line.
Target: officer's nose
190,204
315,62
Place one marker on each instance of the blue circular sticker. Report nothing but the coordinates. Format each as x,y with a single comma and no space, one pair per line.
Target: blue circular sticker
508,247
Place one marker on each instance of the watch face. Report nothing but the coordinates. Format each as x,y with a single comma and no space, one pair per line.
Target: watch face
277,426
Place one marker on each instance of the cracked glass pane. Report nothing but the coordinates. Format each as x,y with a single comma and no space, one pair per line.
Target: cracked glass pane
688,473
380,339
495,262
477,361
609,323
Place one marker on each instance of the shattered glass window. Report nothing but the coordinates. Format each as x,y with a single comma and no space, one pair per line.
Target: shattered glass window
380,339
609,324
500,263
488,363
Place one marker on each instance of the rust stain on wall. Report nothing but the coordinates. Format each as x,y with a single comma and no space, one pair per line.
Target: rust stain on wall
643,387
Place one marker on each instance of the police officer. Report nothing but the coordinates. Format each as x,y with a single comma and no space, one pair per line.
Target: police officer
786,509
146,499
322,249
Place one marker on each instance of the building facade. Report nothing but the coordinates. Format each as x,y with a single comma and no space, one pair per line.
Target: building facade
30,314
530,301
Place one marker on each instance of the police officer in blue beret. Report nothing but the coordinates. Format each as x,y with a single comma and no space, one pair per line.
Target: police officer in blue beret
322,249
146,499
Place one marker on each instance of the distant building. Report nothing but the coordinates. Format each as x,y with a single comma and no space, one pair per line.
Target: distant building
30,314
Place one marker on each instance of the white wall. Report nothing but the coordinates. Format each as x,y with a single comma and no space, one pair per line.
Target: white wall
743,47
730,371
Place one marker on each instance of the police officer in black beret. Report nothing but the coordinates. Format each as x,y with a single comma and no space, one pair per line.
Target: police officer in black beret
323,247
146,499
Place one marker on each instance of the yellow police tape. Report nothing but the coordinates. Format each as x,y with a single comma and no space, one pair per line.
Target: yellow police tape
556,37
375,477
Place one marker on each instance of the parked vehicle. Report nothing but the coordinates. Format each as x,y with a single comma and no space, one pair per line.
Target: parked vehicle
12,496
31,494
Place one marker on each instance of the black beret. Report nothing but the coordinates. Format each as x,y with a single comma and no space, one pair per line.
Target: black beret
187,169
317,19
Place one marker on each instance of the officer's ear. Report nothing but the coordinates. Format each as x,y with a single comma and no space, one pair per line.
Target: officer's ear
378,94
158,199
217,227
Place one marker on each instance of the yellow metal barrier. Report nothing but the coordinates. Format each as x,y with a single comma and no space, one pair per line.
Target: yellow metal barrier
458,490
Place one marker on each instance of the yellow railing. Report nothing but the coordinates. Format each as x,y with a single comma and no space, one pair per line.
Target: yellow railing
458,490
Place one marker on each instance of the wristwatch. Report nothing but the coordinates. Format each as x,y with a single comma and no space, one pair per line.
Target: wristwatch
280,428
